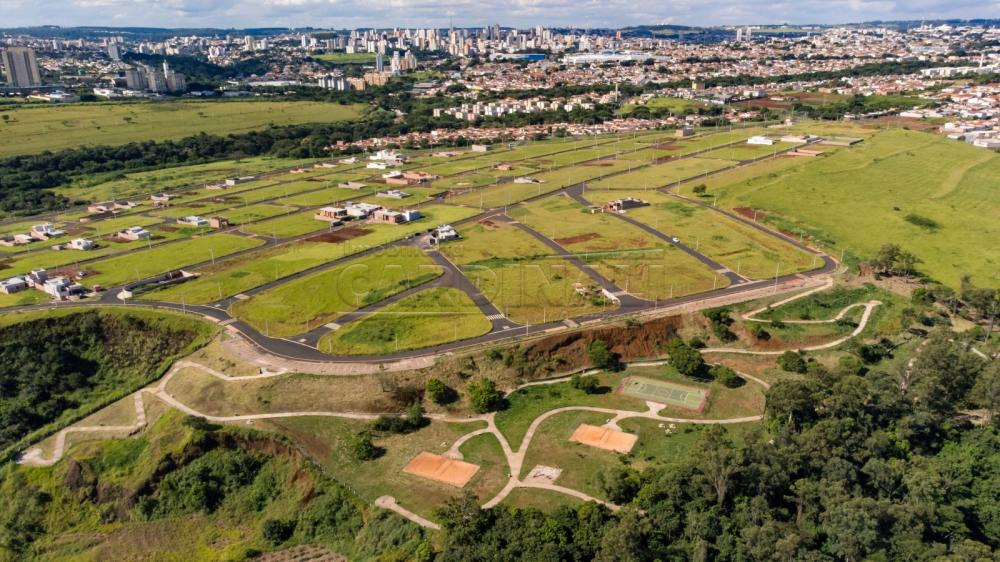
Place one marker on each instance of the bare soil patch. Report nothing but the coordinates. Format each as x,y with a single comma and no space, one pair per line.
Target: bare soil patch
577,239
341,235
604,438
599,163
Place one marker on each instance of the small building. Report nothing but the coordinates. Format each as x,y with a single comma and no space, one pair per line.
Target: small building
393,194
386,216
134,233
80,244
193,220
13,285
760,140
505,167
361,210
684,132
333,215
479,148
419,177
527,179
355,185
445,233
622,205
45,231
61,288
242,179
161,199
218,222
377,166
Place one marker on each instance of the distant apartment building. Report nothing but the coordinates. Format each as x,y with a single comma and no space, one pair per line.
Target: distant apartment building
145,78
20,67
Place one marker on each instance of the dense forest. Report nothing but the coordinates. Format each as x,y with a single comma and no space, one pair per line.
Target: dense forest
854,463
59,368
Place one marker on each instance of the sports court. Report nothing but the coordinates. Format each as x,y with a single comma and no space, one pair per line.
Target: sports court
604,438
664,392
442,469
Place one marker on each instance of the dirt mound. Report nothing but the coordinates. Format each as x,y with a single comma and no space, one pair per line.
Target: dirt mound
342,235
630,343
577,239
750,213
599,163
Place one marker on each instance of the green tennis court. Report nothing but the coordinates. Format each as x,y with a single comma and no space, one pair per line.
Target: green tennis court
664,392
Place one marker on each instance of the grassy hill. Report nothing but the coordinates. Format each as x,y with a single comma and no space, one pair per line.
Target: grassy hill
27,129
881,191
188,490
56,368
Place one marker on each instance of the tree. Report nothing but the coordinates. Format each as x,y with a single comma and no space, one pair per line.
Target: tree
362,447
415,415
792,402
792,362
986,391
717,461
687,360
588,385
484,396
619,484
600,356
726,376
439,393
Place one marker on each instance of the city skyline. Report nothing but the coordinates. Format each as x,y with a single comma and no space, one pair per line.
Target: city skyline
518,13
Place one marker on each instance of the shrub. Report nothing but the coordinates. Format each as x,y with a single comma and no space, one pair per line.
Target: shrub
757,330
726,376
362,447
792,362
277,531
696,342
440,393
484,396
588,385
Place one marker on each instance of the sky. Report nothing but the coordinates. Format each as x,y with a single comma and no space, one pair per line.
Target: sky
465,13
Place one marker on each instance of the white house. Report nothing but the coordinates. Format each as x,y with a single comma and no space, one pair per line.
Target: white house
193,220
135,233
45,231
760,140
80,244
445,233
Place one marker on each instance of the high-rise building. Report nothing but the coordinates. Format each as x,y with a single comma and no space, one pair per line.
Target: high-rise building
114,52
20,67
379,63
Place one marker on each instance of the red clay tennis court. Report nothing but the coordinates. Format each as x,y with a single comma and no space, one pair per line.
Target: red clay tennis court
604,438
442,469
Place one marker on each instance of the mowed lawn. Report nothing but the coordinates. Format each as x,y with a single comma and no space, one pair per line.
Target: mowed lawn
519,274
737,246
631,258
54,127
428,318
308,302
160,259
858,199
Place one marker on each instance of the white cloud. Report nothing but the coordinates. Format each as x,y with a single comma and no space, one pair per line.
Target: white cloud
439,13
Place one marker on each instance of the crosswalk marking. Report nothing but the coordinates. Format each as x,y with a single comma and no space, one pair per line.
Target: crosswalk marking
495,317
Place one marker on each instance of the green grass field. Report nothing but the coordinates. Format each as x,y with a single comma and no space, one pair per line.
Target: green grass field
519,274
295,224
231,277
146,263
311,301
672,104
660,175
133,184
737,246
431,317
858,199
631,258
34,129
